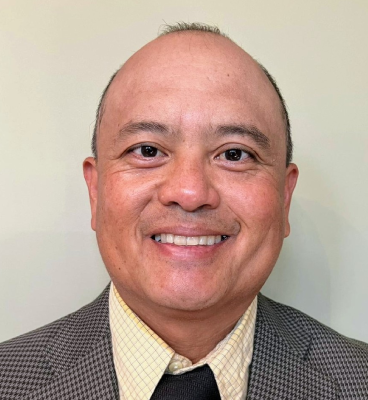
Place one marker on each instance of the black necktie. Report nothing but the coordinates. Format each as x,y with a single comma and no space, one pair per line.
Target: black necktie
199,384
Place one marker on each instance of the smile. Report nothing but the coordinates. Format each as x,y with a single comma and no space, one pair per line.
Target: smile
189,240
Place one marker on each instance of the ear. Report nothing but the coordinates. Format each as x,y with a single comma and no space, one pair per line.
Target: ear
91,176
292,174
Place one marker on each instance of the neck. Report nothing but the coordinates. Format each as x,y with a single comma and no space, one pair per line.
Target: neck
193,339
192,334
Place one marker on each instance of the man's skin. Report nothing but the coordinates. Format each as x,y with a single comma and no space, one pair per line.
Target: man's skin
194,97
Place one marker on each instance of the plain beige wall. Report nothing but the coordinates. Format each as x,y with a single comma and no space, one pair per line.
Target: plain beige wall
55,58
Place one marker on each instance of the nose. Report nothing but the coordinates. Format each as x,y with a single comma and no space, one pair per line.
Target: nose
189,185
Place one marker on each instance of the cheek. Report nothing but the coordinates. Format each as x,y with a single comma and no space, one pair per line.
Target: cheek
121,202
122,199
259,211
257,203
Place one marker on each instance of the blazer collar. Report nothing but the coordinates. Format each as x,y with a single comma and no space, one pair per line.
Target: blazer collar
80,357
279,368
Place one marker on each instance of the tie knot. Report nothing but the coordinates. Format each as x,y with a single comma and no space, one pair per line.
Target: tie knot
198,384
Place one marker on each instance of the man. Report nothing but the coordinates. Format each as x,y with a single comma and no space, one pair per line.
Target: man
190,188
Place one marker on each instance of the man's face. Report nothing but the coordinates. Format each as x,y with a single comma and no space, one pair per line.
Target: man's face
192,148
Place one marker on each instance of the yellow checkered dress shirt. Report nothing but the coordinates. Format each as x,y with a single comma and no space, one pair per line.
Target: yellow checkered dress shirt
141,357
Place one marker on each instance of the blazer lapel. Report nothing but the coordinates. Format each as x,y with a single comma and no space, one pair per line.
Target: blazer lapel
279,369
80,356
91,378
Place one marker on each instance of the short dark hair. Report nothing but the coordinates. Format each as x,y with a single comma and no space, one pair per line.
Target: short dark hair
199,27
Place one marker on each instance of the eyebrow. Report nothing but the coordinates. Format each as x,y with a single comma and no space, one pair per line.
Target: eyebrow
143,126
250,131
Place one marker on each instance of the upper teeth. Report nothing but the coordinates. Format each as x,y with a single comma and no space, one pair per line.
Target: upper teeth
188,240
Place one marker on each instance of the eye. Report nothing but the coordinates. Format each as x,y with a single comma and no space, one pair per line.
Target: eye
147,151
235,155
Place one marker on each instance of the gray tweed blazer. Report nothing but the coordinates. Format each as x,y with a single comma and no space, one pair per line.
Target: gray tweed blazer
295,357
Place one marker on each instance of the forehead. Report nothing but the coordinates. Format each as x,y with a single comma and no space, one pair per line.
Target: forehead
190,79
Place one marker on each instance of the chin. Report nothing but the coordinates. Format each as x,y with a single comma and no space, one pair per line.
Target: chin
189,300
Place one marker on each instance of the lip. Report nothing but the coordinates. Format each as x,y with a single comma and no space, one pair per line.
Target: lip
189,256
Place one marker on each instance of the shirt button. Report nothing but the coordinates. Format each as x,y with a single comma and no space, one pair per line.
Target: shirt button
175,366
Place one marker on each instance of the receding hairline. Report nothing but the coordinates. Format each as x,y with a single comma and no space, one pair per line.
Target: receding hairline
198,28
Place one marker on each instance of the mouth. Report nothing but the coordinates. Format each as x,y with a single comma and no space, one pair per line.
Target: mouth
189,240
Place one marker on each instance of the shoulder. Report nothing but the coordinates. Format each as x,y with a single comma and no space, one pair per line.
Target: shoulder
27,361
291,320
343,359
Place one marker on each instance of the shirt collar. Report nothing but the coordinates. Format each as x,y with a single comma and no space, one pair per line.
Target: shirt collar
141,357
